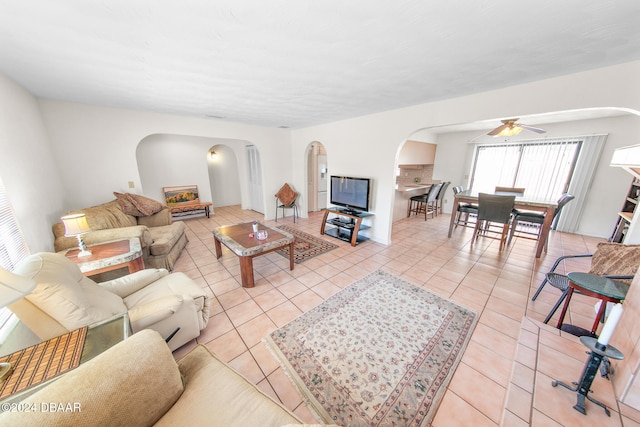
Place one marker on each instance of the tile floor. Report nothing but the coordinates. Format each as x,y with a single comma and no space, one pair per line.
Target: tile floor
497,285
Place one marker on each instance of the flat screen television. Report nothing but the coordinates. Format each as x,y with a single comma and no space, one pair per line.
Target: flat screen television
351,193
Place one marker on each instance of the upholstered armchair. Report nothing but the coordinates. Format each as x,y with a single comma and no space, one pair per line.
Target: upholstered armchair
64,300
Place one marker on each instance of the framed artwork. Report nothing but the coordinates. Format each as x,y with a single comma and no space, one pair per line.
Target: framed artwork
181,195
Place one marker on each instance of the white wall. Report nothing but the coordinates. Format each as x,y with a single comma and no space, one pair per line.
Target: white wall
28,167
92,149
99,144
170,160
368,146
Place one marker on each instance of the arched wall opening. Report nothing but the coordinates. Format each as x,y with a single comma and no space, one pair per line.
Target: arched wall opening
172,160
224,176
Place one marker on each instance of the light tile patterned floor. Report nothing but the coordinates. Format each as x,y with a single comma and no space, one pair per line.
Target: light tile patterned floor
497,285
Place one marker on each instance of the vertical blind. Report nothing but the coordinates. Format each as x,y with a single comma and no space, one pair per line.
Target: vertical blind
543,168
13,248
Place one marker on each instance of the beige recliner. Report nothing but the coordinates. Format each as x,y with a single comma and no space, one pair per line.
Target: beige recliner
65,299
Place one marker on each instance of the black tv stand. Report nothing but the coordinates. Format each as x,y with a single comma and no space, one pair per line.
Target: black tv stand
347,225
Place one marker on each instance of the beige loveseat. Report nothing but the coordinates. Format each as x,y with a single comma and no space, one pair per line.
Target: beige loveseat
162,239
138,383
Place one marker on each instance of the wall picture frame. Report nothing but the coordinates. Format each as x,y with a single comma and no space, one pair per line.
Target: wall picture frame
181,195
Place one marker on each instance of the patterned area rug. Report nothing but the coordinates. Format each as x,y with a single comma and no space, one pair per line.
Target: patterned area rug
380,352
305,246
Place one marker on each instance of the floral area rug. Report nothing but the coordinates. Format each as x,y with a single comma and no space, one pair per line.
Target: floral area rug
381,352
305,246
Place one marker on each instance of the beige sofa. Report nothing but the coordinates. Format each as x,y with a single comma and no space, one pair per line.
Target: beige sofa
138,383
162,239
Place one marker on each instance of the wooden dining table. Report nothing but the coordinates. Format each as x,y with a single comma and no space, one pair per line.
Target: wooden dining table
523,202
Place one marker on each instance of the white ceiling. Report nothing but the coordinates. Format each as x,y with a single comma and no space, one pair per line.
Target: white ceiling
298,63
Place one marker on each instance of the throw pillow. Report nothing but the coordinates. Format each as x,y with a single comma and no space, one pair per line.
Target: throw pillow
126,206
145,205
137,205
615,259
286,195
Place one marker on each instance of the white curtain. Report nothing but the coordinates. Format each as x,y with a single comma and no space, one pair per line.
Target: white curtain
256,199
588,159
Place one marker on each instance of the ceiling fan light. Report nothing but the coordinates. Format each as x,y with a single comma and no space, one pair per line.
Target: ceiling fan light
510,131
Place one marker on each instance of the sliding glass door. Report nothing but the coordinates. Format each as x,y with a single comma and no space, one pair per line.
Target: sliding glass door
543,168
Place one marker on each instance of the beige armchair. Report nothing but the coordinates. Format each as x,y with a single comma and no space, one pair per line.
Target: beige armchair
65,300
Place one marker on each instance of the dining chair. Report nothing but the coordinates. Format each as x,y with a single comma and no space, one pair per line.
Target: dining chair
535,219
440,196
464,211
515,191
613,260
494,209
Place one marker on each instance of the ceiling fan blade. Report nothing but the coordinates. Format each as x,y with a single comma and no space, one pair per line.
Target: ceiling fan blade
531,128
498,130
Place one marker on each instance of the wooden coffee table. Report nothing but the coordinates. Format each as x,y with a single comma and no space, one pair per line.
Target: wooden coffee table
236,238
110,256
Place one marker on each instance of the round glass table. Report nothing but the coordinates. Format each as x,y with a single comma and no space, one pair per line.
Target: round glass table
605,289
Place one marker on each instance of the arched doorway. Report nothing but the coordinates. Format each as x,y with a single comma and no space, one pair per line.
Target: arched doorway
223,176
317,177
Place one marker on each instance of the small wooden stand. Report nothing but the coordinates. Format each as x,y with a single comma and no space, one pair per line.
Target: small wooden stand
189,209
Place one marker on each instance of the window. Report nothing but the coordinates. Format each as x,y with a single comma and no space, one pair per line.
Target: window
13,248
544,168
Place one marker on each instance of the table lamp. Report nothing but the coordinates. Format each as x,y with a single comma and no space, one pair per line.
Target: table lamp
76,225
12,288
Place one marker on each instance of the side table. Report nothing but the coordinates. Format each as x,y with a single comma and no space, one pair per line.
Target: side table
36,366
110,256
605,289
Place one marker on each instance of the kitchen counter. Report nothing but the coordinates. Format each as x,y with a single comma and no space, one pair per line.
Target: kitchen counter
413,187
403,194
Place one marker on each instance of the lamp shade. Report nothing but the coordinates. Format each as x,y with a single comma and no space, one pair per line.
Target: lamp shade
75,225
14,287
510,131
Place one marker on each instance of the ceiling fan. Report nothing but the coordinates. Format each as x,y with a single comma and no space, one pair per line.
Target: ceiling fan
509,127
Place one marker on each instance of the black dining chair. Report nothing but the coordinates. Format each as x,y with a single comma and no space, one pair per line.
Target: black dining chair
494,209
535,219
465,211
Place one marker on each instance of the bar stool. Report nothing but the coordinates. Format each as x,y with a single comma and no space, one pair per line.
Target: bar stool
424,203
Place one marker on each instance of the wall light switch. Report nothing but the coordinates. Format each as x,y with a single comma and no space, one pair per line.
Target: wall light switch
132,184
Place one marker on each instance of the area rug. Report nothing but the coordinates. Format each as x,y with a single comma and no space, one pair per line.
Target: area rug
305,246
381,352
